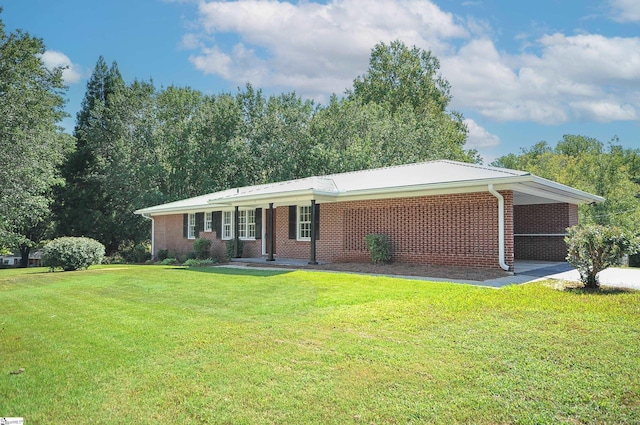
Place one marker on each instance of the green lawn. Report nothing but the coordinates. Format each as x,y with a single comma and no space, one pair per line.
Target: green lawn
152,344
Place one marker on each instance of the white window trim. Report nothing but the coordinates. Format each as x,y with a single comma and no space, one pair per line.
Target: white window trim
191,226
247,224
227,235
208,221
299,222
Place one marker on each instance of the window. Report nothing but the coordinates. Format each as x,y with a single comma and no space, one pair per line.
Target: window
304,222
246,224
242,224
251,224
192,226
208,221
227,224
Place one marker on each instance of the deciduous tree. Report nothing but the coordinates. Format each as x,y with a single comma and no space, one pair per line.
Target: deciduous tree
32,144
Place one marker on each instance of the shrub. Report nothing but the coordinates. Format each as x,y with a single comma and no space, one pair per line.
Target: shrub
593,248
169,261
199,263
379,247
163,254
72,253
634,260
201,246
134,253
231,245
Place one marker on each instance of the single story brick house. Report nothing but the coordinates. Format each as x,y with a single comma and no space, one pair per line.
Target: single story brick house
437,212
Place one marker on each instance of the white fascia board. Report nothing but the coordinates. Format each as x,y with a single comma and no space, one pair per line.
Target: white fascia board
467,186
173,210
543,188
585,197
283,198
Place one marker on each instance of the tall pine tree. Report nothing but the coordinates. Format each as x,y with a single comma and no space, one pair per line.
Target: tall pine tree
82,205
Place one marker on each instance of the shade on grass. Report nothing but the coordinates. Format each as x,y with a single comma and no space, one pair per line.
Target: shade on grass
149,344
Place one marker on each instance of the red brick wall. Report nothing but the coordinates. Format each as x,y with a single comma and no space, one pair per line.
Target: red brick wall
457,230
543,219
168,235
453,230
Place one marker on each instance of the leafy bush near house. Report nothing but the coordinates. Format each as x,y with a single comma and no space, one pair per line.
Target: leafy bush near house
69,253
163,254
201,247
199,263
231,245
379,247
135,253
169,262
593,248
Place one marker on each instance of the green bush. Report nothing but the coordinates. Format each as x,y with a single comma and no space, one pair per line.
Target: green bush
163,254
169,261
201,246
634,260
72,253
231,245
199,263
379,247
593,248
134,253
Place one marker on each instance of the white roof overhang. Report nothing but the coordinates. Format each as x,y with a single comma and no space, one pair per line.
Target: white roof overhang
527,189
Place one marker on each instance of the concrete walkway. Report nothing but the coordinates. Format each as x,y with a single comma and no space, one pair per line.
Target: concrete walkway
529,271
525,272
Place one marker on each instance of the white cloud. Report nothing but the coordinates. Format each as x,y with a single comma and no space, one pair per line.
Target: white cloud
573,78
625,10
479,137
53,59
317,49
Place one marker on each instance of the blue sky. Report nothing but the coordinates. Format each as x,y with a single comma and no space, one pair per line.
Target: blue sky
520,72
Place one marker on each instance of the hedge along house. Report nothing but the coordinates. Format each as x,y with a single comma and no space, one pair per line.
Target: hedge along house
437,212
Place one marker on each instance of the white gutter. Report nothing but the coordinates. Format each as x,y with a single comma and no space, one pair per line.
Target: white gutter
503,265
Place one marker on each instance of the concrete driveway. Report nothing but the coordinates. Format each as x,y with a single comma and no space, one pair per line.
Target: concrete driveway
529,271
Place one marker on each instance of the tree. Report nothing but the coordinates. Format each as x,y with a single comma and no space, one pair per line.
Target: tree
585,163
406,83
593,248
32,144
83,205
399,75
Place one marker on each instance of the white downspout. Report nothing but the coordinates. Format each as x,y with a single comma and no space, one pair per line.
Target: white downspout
503,265
153,235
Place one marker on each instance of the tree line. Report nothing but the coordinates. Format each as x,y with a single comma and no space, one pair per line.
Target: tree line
136,145
585,163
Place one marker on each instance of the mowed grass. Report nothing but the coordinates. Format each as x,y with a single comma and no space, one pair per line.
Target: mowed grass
152,344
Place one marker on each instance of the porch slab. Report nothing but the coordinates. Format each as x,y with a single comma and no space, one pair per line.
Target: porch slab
276,262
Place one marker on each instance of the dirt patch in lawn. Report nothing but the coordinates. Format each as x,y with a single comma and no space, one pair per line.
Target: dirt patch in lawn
399,269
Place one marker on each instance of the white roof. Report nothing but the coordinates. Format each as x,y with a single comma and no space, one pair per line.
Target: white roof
423,178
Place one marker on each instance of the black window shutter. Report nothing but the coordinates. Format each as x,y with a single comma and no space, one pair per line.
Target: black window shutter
258,223
293,221
185,225
217,223
199,223
317,222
